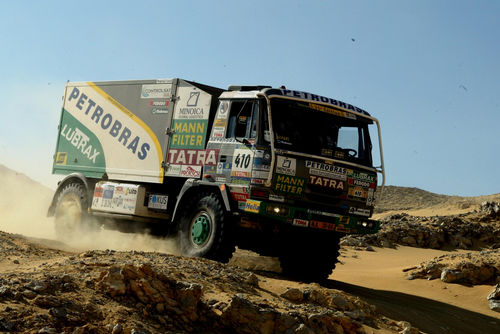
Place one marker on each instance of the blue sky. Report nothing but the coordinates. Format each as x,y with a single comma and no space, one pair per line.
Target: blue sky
428,70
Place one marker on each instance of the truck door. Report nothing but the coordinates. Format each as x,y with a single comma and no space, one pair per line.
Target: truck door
234,135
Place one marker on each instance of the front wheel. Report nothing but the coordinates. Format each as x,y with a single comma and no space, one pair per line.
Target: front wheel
312,257
205,230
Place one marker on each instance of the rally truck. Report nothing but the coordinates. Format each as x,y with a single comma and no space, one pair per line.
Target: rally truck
282,172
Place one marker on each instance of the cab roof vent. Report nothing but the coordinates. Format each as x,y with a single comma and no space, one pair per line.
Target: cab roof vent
246,88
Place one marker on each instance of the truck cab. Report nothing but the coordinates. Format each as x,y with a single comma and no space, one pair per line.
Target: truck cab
298,167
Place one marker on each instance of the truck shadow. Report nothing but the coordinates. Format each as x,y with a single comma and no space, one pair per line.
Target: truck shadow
427,315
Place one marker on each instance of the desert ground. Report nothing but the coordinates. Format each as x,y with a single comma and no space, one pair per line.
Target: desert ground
430,269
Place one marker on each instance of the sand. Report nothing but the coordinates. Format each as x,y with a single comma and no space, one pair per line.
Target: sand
378,277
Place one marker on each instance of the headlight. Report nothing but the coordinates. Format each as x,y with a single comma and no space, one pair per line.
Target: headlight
277,210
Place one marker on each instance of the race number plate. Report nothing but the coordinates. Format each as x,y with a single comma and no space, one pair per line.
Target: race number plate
358,192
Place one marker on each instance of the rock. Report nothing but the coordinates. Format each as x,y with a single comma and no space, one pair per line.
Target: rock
494,299
113,282
47,302
7,326
253,280
293,294
316,296
495,294
303,329
340,302
246,317
495,305
29,294
117,329
451,276
407,328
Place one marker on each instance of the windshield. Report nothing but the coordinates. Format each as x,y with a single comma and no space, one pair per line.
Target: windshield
315,129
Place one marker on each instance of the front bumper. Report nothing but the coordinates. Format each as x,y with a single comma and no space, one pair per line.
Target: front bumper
307,218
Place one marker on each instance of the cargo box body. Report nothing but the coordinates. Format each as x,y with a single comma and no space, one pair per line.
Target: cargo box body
125,129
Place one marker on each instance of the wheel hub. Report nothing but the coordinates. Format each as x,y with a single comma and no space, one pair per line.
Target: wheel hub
200,229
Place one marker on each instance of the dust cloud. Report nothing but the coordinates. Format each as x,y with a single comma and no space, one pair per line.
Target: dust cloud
23,209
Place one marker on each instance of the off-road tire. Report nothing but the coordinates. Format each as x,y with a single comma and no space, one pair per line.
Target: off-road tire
312,259
205,229
71,213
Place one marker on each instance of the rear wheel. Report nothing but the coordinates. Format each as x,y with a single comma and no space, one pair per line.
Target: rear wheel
205,229
71,213
311,257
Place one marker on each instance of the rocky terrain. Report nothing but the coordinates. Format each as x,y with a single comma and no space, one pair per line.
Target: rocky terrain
44,290
118,283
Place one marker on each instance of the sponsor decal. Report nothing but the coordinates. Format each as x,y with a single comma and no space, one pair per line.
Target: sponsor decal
326,152
319,98
173,170
322,225
240,174
252,206
188,134
223,108
328,214
130,191
287,166
107,122
158,202
371,197
364,184
282,139
326,170
220,123
159,103
156,91
331,111
240,196
259,174
258,181
359,211
193,99
98,191
156,111
327,183
192,105
115,197
261,164
289,184
361,176
80,141
240,180
218,132
223,167
209,169
62,158
301,222
207,157
190,171
276,198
